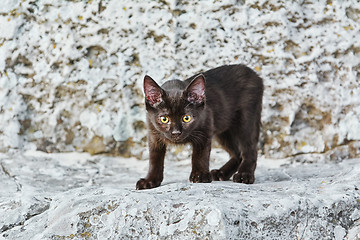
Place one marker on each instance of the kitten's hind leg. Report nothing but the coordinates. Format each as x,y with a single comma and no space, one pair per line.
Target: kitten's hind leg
229,143
246,170
226,171
248,138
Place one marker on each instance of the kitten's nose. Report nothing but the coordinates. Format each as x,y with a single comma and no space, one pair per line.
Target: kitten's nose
175,133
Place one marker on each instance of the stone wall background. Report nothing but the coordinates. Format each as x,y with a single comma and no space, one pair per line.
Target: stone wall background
71,71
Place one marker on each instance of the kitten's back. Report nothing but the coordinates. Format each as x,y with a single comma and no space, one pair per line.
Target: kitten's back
233,92
232,79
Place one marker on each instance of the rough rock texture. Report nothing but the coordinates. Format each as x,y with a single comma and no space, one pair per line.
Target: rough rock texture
71,80
71,71
78,196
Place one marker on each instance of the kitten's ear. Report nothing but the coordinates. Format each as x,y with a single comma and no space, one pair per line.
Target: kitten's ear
195,92
153,92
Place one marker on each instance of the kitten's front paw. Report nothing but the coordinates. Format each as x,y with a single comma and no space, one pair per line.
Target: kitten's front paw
244,177
200,177
144,183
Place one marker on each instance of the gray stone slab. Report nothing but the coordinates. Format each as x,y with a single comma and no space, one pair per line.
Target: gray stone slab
78,196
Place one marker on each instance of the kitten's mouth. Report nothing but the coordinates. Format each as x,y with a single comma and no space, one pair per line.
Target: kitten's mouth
176,139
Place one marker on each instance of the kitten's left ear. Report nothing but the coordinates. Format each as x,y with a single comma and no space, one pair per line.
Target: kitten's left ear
195,92
153,92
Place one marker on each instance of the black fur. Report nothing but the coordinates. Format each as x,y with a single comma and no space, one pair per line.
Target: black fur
225,103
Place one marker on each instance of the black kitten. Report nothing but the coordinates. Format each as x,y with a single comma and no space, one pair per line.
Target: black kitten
224,102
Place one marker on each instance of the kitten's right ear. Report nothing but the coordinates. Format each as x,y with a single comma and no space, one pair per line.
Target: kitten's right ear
153,92
195,92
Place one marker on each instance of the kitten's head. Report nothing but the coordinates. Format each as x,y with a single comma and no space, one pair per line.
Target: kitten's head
174,109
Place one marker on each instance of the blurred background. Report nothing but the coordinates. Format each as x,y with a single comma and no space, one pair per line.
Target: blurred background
72,71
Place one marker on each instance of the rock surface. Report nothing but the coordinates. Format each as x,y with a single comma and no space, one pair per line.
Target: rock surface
71,71
78,196
71,81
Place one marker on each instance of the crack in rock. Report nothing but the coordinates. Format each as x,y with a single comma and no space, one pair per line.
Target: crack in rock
7,172
33,211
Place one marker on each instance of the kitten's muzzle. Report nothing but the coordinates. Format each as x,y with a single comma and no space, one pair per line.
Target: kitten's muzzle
175,134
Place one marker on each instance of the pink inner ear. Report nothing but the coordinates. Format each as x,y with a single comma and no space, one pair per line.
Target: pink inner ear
152,91
153,97
196,90
195,98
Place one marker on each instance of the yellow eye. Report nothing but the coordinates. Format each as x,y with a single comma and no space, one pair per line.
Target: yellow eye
164,119
186,118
